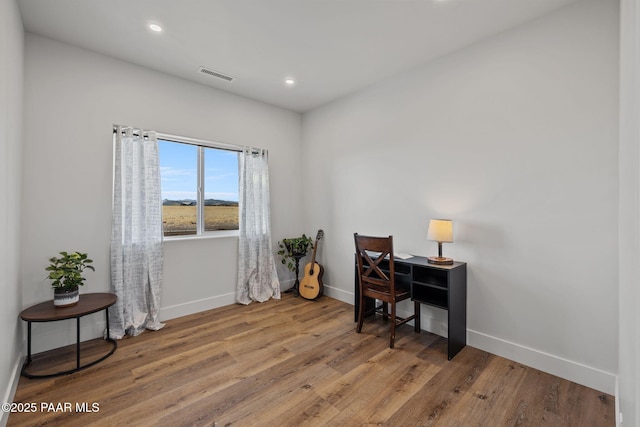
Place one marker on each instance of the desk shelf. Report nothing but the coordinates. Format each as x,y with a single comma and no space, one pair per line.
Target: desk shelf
430,295
431,276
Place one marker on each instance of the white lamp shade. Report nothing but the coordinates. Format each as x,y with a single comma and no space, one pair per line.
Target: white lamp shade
440,230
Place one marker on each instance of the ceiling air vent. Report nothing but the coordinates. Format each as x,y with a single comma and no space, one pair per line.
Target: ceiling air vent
216,74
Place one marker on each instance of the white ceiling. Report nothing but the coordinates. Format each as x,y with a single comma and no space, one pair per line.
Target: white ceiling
331,47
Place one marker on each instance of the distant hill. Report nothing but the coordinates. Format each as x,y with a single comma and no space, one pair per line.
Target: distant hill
191,202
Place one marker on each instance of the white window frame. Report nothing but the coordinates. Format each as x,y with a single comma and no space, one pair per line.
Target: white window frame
201,144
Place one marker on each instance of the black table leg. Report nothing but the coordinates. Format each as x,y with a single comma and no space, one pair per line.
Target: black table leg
107,313
78,343
28,342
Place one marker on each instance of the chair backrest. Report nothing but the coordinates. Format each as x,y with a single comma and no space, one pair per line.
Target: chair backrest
369,271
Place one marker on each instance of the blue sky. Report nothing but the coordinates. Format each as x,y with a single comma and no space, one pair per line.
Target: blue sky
178,167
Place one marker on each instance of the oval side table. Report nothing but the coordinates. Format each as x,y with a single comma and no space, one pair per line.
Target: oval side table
47,312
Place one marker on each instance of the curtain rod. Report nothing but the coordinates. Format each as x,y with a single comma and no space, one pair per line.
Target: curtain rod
195,141
202,142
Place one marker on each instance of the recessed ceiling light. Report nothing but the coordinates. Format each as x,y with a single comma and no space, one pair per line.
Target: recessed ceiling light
289,82
155,27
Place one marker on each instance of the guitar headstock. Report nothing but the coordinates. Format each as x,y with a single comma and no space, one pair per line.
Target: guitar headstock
320,235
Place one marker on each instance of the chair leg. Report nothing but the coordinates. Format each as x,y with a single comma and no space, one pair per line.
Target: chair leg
360,315
385,311
392,340
416,321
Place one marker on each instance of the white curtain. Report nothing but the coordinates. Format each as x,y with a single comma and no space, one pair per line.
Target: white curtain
136,234
257,276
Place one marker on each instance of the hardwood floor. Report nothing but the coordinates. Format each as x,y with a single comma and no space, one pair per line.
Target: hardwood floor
295,362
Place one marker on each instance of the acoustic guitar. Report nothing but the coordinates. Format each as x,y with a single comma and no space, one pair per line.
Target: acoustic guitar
311,283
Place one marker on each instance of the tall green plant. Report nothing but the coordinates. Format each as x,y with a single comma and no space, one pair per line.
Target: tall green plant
66,271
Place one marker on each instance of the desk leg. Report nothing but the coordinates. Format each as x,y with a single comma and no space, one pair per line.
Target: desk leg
78,343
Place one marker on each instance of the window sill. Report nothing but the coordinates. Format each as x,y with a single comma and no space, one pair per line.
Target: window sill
208,235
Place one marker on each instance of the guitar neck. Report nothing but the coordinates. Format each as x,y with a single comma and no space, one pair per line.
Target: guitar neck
315,247
313,258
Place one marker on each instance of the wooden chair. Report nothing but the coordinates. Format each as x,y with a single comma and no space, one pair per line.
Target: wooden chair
374,282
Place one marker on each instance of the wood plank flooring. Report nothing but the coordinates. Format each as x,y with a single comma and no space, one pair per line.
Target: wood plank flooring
295,362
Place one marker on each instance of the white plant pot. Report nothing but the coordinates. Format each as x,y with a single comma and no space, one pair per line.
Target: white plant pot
65,297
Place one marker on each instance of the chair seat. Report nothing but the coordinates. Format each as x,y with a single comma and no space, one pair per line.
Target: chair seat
381,292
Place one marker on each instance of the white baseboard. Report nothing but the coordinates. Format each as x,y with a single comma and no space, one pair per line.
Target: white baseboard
563,368
432,321
10,392
339,294
191,307
330,291
617,396
287,284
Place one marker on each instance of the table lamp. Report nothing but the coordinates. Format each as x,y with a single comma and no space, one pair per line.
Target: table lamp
440,230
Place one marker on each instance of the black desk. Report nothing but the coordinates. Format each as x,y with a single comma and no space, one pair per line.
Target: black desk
441,286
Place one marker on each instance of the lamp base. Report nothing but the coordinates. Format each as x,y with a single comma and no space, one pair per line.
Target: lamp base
439,260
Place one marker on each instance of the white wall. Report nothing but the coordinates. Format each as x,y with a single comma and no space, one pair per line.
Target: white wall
515,139
11,78
72,99
629,225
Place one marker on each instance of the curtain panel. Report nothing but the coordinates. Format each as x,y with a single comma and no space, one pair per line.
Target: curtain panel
257,275
136,239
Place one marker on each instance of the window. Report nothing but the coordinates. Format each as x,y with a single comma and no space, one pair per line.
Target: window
199,188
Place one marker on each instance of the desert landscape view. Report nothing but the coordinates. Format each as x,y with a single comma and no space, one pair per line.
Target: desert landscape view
179,216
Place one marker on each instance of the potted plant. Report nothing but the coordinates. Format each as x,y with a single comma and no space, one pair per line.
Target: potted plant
291,250
66,275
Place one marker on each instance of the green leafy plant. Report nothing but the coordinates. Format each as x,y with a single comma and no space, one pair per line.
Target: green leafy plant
66,271
290,248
